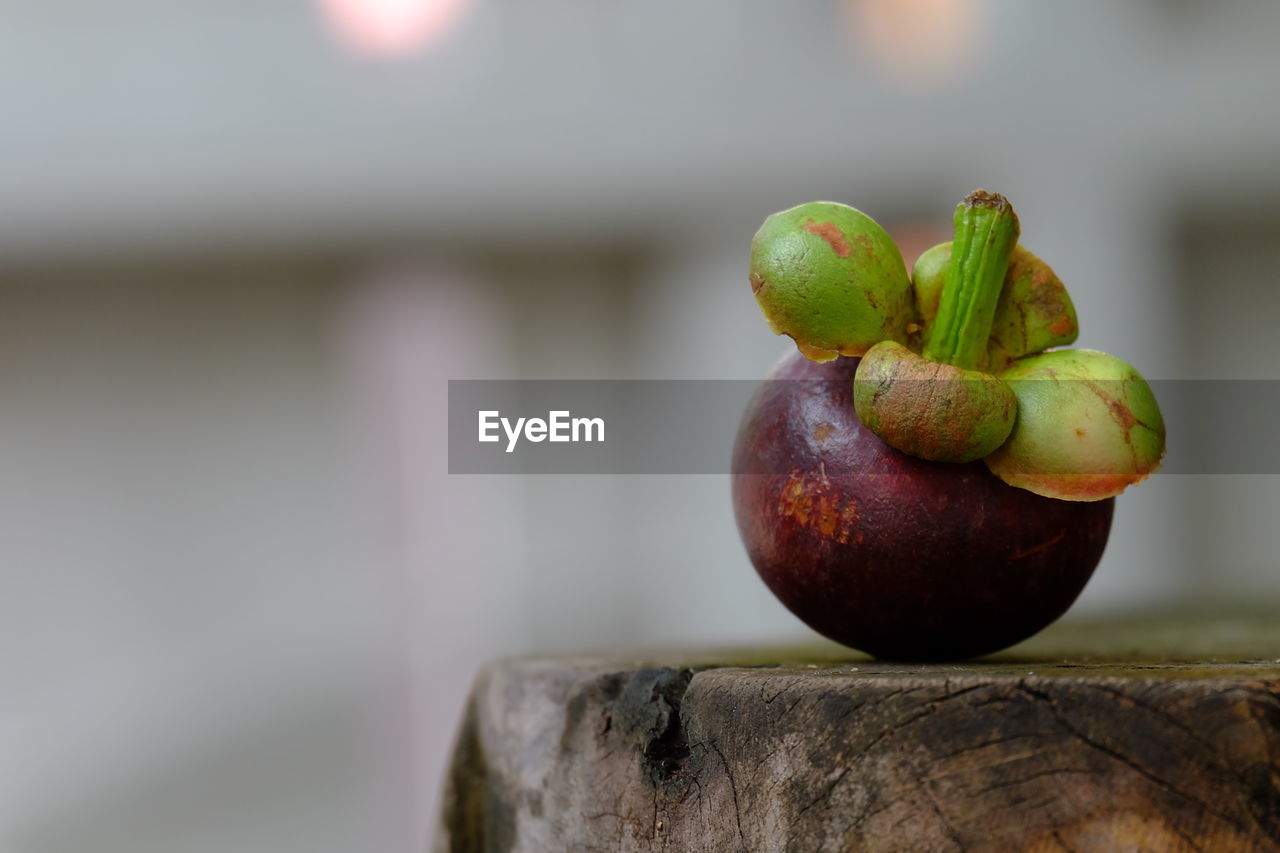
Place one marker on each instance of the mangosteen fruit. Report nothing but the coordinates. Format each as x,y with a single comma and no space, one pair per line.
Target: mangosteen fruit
924,478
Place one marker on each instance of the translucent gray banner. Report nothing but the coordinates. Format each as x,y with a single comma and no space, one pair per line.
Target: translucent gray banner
688,426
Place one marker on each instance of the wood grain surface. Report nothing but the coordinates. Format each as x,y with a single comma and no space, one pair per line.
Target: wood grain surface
1160,736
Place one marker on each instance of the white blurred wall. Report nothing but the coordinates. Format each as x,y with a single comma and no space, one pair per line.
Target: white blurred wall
194,649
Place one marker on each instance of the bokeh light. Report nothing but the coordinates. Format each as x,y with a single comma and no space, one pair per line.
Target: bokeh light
392,27
919,42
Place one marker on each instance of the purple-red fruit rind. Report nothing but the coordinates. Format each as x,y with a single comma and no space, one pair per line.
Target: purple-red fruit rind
889,554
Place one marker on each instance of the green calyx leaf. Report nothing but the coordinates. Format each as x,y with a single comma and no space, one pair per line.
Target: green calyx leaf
1074,425
931,410
832,279
1088,427
1034,311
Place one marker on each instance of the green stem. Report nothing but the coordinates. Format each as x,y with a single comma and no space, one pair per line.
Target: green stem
986,231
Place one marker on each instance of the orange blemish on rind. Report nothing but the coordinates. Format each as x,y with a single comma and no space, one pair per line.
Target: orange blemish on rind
809,501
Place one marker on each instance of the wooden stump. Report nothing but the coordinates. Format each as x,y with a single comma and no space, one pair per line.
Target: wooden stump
1054,747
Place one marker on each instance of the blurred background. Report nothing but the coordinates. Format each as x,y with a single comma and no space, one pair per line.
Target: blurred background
244,245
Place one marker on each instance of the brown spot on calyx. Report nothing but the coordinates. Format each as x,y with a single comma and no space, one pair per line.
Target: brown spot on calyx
1120,413
829,232
1061,326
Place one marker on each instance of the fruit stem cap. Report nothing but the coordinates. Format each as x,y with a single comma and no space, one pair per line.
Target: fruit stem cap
986,232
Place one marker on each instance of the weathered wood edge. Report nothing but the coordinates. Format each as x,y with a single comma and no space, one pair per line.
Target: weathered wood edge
627,753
